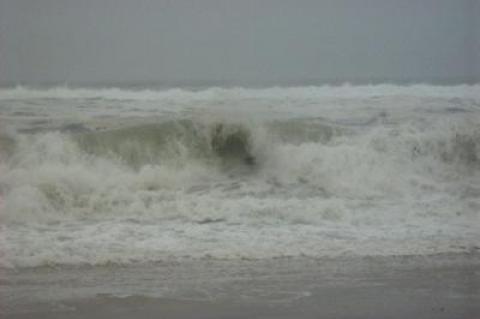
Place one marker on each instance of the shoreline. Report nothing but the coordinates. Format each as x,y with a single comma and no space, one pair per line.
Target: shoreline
435,286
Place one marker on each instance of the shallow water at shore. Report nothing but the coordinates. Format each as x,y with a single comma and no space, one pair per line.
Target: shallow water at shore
440,286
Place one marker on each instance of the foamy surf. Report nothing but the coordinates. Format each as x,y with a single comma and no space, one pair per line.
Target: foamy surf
116,176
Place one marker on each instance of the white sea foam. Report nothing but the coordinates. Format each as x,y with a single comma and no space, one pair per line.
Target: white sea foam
314,175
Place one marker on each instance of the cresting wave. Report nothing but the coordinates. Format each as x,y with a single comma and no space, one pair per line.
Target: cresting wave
396,176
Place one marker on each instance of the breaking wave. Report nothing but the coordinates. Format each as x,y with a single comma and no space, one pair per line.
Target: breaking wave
67,173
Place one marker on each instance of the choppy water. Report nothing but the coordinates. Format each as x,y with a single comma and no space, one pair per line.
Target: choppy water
90,176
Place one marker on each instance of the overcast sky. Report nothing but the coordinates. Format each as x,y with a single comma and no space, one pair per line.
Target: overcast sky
242,42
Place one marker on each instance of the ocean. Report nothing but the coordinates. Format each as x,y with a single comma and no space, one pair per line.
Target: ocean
92,177
288,202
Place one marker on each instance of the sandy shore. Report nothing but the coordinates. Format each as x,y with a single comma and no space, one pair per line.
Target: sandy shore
441,286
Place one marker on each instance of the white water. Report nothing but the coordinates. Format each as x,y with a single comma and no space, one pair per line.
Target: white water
115,176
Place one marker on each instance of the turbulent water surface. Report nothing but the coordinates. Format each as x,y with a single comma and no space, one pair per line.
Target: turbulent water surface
95,176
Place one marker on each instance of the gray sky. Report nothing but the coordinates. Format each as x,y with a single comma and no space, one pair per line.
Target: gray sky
239,42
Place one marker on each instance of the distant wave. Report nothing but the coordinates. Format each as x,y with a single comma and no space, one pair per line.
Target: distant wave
342,91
